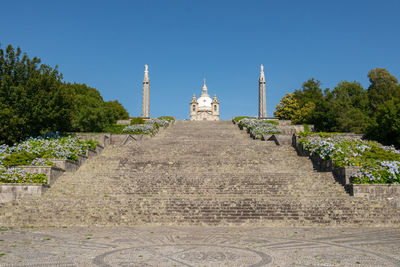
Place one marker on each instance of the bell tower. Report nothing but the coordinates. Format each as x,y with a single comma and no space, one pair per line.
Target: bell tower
193,108
215,107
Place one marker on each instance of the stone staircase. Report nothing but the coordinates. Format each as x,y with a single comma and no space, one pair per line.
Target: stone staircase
197,173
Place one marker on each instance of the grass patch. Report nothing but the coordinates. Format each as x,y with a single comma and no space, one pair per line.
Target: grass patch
238,118
114,129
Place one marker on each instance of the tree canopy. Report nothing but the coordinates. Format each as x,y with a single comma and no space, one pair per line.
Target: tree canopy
348,107
35,100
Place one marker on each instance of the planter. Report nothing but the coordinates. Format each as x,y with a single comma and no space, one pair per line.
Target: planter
321,165
285,122
123,122
388,192
295,140
122,139
52,173
11,192
281,139
251,134
65,164
91,153
99,148
104,139
81,159
301,151
289,129
266,137
343,174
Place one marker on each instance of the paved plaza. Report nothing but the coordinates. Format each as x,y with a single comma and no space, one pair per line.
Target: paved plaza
199,246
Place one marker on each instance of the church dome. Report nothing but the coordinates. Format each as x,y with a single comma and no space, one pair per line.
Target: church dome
204,102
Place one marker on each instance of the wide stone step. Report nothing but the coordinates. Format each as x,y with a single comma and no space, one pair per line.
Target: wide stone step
153,183
128,210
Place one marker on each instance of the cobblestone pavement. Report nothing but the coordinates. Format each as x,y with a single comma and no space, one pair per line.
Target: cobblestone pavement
199,246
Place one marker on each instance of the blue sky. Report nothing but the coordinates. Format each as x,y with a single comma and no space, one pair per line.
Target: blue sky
105,44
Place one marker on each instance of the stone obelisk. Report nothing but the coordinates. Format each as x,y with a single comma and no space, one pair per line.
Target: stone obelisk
262,100
146,93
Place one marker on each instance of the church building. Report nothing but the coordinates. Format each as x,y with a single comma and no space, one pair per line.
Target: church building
204,108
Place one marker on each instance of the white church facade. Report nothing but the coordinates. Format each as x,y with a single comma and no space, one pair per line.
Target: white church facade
204,108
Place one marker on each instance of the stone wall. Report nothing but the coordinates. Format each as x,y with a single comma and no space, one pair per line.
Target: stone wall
343,174
123,122
103,138
122,139
52,173
388,192
114,139
279,139
65,164
11,192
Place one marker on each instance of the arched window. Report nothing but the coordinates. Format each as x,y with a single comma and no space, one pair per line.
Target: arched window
194,108
215,107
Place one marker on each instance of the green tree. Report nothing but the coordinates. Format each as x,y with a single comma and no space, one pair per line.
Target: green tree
90,113
386,128
304,113
118,111
287,107
323,117
310,92
32,100
383,87
349,104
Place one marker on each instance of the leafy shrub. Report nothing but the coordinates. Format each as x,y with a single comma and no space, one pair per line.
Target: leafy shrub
53,146
16,175
118,111
271,122
35,151
140,129
19,158
41,162
114,129
167,118
158,122
318,134
306,128
137,120
378,172
92,144
259,127
238,118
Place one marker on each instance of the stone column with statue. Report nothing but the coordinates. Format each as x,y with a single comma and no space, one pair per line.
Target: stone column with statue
146,93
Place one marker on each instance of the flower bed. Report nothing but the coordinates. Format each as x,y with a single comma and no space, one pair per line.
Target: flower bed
16,175
377,163
149,127
140,129
258,127
39,151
